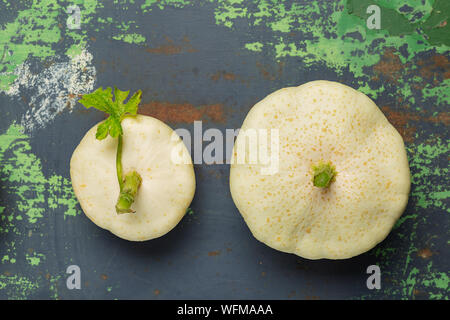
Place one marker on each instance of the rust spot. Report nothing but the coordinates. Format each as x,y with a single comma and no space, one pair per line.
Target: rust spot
104,277
269,72
223,75
291,294
156,292
435,68
184,112
390,66
399,120
213,253
171,48
441,117
425,253
417,292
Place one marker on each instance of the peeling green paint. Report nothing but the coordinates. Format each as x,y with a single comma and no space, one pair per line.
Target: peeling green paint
130,38
18,287
440,92
36,31
34,259
21,172
148,5
33,194
254,46
335,33
424,174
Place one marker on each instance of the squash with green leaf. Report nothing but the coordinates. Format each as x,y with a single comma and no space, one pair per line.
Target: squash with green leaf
123,171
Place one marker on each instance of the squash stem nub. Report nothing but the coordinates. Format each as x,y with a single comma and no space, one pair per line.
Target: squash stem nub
323,174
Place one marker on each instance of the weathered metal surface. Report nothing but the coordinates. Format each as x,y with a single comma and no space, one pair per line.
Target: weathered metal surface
211,61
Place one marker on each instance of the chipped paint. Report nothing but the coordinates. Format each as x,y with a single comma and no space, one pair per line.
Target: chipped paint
183,112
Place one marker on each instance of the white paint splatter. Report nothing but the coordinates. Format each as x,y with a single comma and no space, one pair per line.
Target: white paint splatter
53,89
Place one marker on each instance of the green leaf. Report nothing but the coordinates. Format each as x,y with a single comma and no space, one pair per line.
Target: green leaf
102,131
132,104
120,95
99,99
103,100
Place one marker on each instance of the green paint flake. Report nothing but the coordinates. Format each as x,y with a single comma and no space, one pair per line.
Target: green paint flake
371,92
34,259
31,193
254,46
61,194
425,172
334,33
21,175
440,92
36,31
21,38
418,280
229,10
18,288
130,38
149,5
441,281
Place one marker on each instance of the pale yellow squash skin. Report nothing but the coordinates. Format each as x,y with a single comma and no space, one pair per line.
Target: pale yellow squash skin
167,187
323,121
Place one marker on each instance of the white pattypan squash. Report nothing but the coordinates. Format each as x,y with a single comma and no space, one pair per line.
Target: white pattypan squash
342,177
167,186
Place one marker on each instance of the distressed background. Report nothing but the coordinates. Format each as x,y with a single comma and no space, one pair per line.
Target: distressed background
211,61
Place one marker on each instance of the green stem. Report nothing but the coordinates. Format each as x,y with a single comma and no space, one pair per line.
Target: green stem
323,174
119,161
129,185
